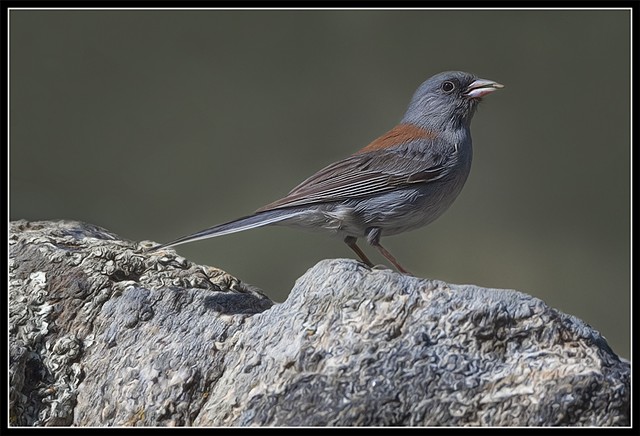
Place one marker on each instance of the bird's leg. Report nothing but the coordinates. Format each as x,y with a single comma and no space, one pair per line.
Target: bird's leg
373,237
351,242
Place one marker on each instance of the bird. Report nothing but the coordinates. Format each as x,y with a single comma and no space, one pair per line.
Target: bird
401,181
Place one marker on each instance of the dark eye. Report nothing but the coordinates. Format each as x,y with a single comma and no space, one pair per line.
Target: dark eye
448,86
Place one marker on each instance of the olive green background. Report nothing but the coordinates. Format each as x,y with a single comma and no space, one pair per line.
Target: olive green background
155,124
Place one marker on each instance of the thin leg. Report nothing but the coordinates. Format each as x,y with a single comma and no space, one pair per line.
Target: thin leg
373,236
351,242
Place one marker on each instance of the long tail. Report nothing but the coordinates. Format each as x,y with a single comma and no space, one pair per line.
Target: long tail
245,223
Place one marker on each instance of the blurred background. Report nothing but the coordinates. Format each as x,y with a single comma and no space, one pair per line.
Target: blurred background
156,124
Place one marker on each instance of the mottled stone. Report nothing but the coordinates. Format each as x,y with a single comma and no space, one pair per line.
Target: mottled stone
104,334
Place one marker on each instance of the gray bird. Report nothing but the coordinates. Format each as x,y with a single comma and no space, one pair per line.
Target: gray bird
401,181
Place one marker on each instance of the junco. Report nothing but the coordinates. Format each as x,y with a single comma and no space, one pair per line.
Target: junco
401,181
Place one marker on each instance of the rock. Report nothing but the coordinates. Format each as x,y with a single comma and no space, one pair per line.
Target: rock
103,333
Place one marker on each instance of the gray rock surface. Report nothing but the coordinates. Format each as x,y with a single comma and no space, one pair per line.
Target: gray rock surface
105,334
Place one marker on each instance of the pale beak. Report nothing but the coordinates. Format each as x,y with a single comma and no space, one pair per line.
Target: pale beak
482,87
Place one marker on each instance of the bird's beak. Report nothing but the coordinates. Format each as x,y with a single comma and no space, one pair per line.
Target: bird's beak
481,87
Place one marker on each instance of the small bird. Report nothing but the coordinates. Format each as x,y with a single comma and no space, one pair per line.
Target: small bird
401,181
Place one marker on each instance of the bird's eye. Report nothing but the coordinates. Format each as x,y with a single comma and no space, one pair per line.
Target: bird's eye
448,86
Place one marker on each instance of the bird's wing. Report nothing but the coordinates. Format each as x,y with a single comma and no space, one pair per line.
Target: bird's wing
362,175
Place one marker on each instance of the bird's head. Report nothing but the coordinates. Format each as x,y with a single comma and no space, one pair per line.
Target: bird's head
447,101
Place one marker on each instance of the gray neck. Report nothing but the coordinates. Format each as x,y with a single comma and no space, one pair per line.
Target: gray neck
450,127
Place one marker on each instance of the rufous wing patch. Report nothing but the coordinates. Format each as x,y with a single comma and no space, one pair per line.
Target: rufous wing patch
400,134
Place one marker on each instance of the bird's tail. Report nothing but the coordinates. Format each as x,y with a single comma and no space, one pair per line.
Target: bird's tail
245,223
